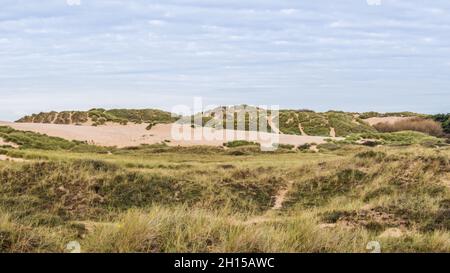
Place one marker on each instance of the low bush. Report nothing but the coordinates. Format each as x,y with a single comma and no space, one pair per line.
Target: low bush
286,146
328,146
304,147
444,119
239,143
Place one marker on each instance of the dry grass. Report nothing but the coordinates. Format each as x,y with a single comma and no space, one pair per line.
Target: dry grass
426,126
202,201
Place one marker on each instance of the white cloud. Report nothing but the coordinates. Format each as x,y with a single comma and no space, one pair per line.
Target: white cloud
428,40
288,11
73,2
157,22
289,51
340,24
281,42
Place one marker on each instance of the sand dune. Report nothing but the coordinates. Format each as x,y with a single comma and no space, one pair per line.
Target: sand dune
136,134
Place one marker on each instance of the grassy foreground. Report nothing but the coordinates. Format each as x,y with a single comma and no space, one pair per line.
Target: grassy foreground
199,199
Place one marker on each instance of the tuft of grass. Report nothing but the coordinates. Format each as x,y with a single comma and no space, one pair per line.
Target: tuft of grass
240,143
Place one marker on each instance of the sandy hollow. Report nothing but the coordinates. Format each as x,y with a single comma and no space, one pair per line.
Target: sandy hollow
173,134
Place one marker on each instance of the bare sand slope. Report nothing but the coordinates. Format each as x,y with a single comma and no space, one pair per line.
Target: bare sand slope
136,134
4,143
7,158
390,120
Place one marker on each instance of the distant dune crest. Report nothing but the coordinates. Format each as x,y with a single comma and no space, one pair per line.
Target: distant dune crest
292,122
99,116
132,127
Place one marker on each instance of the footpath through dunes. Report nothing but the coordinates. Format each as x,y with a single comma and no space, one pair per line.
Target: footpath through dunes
137,134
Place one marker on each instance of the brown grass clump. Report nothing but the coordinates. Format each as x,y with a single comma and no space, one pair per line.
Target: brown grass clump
427,126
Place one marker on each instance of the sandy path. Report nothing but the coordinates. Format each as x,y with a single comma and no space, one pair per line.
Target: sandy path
136,134
300,127
278,204
332,132
281,196
272,125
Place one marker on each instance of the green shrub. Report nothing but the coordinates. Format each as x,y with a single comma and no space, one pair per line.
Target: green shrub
239,143
304,147
444,119
286,146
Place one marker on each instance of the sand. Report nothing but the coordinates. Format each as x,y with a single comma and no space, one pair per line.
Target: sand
4,143
273,126
281,196
332,132
389,120
136,134
7,158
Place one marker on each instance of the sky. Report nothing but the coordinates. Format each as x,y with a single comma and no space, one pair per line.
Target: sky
351,55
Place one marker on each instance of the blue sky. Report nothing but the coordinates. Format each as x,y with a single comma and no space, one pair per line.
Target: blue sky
322,54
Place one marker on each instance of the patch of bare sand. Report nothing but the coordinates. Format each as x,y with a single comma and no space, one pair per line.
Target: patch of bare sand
302,132
7,158
136,134
392,233
389,120
4,143
281,196
273,125
332,132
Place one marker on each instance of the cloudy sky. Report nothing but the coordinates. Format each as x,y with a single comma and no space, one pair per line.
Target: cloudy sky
321,54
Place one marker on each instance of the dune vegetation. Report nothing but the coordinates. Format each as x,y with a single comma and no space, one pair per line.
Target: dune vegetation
444,119
99,116
157,198
294,122
321,124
